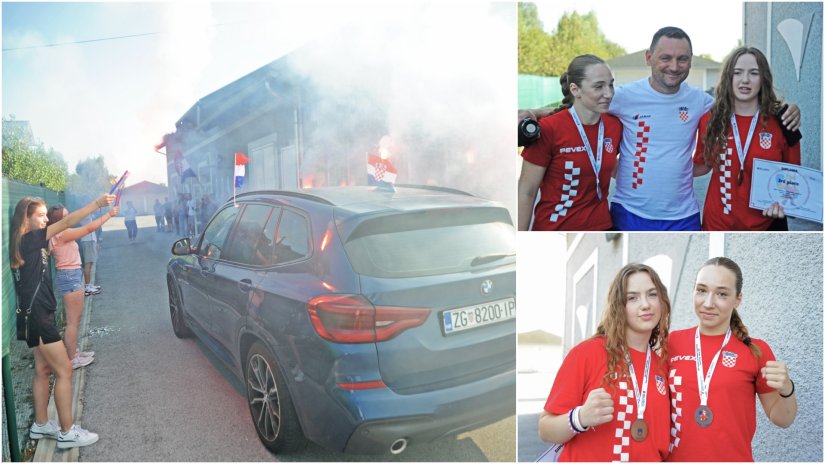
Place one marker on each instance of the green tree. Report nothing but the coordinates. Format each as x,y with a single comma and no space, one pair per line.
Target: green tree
535,55
28,161
580,34
91,178
546,54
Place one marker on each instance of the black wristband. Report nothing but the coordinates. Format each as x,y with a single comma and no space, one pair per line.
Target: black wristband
572,423
793,389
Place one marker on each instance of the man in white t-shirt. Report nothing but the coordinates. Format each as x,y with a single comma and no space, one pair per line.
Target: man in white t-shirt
660,115
191,211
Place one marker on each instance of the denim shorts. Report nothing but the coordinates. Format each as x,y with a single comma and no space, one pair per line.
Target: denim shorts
68,281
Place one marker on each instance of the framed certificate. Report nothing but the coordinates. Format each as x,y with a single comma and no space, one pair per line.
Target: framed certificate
798,189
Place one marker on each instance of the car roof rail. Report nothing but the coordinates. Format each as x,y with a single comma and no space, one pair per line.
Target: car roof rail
286,193
436,189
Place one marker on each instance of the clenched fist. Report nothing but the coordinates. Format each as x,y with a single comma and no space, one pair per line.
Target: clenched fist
776,375
597,410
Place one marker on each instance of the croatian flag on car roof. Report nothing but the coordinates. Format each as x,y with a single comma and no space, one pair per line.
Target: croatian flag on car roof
240,168
380,171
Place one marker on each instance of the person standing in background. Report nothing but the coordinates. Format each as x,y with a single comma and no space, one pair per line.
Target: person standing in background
88,251
182,216
158,208
168,211
207,210
191,215
130,215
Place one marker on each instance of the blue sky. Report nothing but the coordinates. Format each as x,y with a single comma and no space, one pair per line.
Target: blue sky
118,97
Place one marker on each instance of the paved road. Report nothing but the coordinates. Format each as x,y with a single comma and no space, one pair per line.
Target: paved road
154,397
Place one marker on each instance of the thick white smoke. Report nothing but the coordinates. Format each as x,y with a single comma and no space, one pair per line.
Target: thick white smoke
445,77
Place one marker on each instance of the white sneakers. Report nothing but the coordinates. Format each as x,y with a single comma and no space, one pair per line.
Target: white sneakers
47,430
74,438
81,361
91,289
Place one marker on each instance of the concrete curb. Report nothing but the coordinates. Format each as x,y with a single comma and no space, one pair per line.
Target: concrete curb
45,451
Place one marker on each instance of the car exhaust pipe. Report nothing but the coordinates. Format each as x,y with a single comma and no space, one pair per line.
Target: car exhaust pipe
398,446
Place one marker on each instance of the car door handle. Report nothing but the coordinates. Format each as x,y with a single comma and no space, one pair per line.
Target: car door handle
245,285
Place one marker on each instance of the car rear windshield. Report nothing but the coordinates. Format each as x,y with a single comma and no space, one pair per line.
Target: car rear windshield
431,242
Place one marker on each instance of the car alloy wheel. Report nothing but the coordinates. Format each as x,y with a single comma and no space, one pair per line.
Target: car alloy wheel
176,312
270,403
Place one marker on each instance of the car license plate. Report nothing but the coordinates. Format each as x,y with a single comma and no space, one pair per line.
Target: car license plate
470,317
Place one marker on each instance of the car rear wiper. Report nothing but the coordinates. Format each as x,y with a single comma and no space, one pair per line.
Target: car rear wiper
484,259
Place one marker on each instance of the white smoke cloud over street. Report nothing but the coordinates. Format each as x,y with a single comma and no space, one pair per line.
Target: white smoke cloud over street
183,54
440,77
444,75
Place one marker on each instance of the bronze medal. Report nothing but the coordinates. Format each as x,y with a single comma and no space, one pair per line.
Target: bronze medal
703,416
638,430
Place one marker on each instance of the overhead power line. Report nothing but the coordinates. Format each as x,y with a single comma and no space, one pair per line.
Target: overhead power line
119,37
78,42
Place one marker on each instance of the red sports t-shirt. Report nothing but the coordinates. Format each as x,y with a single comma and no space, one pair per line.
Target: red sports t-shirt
731,397
580,373
568,199
726,204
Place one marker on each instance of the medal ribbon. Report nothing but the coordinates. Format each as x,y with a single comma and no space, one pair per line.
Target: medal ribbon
595,161
742,154
704,381
641,400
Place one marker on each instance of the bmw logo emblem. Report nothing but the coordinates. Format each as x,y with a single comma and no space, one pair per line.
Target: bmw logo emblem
486,287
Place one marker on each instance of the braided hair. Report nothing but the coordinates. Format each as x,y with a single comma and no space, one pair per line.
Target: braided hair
736,325
575,74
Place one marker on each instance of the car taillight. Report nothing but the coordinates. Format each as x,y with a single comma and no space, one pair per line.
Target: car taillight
353,319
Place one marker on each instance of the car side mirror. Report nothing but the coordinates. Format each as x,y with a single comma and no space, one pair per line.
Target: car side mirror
182,247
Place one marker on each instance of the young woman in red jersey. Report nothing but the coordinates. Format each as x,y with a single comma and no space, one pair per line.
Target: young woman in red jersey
609,401
716,369
572,161
740,127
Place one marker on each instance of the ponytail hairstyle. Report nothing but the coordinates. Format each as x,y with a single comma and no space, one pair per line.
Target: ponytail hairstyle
25,208
576,71
715,137
736,325
614,323
55,213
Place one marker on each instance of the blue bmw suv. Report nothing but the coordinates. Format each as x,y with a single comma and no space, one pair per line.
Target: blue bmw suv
359,319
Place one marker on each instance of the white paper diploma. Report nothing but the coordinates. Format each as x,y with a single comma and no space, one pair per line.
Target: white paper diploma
798,189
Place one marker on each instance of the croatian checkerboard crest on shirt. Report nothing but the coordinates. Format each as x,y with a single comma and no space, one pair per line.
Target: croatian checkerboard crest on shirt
765,139
728,359
683,113
661,385
608,145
